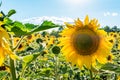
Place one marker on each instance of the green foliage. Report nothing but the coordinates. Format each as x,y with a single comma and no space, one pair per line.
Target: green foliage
20,29
11,12
46,25
107,28
43,61
111,29
7,21
111,67
3,74
29,58
30,26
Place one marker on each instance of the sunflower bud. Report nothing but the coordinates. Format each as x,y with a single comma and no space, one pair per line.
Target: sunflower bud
56,50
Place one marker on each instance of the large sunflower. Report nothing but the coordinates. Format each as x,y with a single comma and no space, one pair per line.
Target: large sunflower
83,44
5,46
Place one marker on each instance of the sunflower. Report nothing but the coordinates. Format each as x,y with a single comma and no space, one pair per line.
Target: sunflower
118,34
38,35
118,78
15,41
21,47
111,40
84,44
118,46
30,38
110,58
115,35
5,46
51,40
111,33
4,68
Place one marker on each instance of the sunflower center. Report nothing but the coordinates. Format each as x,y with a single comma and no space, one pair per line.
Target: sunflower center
85,41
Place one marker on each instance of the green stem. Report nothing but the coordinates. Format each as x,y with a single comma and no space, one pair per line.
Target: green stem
12,70
11,63
91,75
56,68
23,71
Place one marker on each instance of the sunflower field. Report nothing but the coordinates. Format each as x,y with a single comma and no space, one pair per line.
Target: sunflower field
79,51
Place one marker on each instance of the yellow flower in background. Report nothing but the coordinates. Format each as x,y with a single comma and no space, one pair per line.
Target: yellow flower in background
46,39
111,40
83,43
4,68
111,33
115,35
44,52
119,46
30,38
15,41
22,47
5,46
51,40
110,58
119,34
118,78
38,35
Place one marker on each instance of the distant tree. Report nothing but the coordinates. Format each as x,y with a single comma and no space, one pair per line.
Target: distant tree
107,28
118,29
114,29
61,28
44,33
54,33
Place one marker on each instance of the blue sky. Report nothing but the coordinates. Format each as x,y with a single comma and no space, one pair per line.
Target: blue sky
106,11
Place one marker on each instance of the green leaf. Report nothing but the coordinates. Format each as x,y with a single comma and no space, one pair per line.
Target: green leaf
11,12
29,58
111,67
2,74
20,25
30,26
18,31
7,20
46,25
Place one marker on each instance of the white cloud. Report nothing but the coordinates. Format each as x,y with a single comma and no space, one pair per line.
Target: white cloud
110,14
56,20
107,14
114,14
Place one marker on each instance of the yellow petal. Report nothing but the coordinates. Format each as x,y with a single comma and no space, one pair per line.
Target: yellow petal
86,21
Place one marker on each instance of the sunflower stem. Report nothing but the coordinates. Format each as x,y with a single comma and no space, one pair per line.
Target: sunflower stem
11,63
23,71
12,70
56,68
